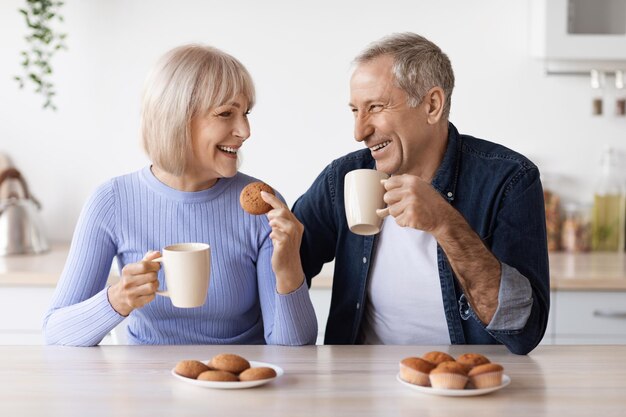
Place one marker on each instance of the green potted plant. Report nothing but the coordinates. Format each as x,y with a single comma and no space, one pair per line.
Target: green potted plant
43,40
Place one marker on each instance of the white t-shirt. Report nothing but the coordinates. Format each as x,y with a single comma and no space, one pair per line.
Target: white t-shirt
404,303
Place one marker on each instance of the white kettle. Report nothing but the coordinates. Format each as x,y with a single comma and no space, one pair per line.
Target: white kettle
20,227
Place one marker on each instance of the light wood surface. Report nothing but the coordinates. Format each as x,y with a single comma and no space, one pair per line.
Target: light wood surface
576,271
595,271
34,270
319,380
41,270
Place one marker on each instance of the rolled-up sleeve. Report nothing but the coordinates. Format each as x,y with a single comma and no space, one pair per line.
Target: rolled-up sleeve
515,301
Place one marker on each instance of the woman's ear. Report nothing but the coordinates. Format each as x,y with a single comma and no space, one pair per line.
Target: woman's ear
435,99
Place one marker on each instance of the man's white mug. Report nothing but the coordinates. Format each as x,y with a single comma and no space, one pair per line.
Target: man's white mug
363,195
187,268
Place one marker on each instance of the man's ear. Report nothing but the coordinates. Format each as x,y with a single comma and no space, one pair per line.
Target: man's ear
435,100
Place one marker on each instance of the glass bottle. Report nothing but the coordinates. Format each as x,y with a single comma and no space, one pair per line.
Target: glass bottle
609,207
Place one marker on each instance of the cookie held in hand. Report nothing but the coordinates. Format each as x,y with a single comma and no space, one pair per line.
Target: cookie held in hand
250,198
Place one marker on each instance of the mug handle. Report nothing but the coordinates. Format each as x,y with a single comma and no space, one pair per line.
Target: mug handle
162,293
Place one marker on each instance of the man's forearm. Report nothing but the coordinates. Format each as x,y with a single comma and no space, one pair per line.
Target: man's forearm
476,268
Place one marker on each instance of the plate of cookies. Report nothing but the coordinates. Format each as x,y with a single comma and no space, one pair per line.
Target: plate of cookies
438,373
226,371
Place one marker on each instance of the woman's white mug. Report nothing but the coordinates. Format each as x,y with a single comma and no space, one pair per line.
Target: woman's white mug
363,195
187,268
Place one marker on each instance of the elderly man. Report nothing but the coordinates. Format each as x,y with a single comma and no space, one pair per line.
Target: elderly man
461,257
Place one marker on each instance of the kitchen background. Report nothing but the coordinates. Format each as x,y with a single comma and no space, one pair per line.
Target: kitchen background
299,55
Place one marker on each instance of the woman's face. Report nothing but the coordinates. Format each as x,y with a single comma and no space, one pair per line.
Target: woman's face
216,138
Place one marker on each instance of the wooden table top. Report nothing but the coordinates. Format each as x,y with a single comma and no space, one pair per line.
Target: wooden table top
318,380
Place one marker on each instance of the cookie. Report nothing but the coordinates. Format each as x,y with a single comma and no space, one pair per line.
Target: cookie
190,368
230,363
253,374
221,376
250,198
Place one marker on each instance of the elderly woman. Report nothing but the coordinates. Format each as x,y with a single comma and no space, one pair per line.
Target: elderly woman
194,122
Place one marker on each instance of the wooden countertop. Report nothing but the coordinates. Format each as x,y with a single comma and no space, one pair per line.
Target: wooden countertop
572,272
319,380
41,270
34,270
593,271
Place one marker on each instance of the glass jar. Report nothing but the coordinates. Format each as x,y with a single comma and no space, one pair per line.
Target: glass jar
576,228
553,219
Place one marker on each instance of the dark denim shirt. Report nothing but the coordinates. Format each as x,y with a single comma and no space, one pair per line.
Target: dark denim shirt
499,193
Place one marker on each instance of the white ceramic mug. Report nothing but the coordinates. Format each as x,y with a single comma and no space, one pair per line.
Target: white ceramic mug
187,268
363,195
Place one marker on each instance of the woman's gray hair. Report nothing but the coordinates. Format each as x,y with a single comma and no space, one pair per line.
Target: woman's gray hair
418,66
187,81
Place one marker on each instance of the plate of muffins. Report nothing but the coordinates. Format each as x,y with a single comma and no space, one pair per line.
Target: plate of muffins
226,371
439,373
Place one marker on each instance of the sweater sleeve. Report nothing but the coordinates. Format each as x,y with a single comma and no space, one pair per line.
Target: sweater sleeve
80,313
288,319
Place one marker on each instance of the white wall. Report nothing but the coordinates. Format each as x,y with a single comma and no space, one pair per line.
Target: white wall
299,56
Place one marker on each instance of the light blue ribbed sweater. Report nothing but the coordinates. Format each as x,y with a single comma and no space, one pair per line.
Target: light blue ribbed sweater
135,213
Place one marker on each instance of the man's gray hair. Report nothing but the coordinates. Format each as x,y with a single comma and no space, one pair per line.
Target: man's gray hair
418,66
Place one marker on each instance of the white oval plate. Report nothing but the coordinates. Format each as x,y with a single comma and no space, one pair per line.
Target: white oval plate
234,385
468,392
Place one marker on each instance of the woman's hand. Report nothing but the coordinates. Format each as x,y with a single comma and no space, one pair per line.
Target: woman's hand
286,237
137,286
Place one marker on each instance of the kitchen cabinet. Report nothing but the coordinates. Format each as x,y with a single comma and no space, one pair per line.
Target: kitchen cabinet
22,310
27,283
320,297
579,34
588,298
585,317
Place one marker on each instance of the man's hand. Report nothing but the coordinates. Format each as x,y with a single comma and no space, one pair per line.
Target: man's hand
414,203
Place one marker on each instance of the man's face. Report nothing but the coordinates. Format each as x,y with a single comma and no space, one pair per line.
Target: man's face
395,133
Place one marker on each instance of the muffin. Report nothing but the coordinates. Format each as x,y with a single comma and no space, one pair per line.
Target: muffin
254,374
190,368
230,363
471,360
486,375
221,376
250,198
437,357
448,375
415,371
